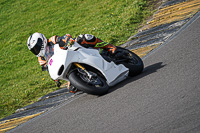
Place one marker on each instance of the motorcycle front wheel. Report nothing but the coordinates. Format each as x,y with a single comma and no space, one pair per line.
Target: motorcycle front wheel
95,85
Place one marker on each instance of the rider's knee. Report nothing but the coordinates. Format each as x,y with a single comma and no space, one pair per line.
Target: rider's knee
87,40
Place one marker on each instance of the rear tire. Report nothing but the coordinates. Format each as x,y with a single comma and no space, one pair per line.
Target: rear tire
95,86
134,62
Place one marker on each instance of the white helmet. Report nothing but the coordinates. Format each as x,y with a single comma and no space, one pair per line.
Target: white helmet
37,43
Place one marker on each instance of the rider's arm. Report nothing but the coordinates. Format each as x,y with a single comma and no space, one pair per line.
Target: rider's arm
42,63
65,41
53,40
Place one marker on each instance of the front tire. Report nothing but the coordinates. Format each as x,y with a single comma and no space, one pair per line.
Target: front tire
96,85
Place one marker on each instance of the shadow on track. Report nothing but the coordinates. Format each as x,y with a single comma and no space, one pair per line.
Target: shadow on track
147,71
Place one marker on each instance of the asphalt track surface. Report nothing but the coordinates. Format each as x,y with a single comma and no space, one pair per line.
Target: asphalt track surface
164,98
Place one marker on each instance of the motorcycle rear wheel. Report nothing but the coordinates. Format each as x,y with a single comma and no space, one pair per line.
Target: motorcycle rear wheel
95,86
133,62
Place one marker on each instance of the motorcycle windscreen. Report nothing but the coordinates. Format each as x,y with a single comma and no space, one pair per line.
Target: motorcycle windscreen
49,52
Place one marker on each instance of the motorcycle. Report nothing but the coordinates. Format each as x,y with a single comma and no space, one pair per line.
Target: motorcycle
90,71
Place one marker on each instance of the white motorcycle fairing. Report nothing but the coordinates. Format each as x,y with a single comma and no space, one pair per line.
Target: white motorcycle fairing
59,64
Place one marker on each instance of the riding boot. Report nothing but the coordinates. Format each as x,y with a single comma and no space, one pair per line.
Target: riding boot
111,48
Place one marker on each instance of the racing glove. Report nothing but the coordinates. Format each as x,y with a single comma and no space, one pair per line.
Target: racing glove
44,67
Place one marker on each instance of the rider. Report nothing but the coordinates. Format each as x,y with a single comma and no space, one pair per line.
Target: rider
37,44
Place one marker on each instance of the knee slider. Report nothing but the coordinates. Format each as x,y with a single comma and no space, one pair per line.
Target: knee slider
84,38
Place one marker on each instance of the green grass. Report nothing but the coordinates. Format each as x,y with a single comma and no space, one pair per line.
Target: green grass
21,78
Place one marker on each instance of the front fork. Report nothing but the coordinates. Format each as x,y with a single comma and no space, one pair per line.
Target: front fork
83,69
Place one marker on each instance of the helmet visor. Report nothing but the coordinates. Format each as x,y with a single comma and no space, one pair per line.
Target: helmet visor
36,49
